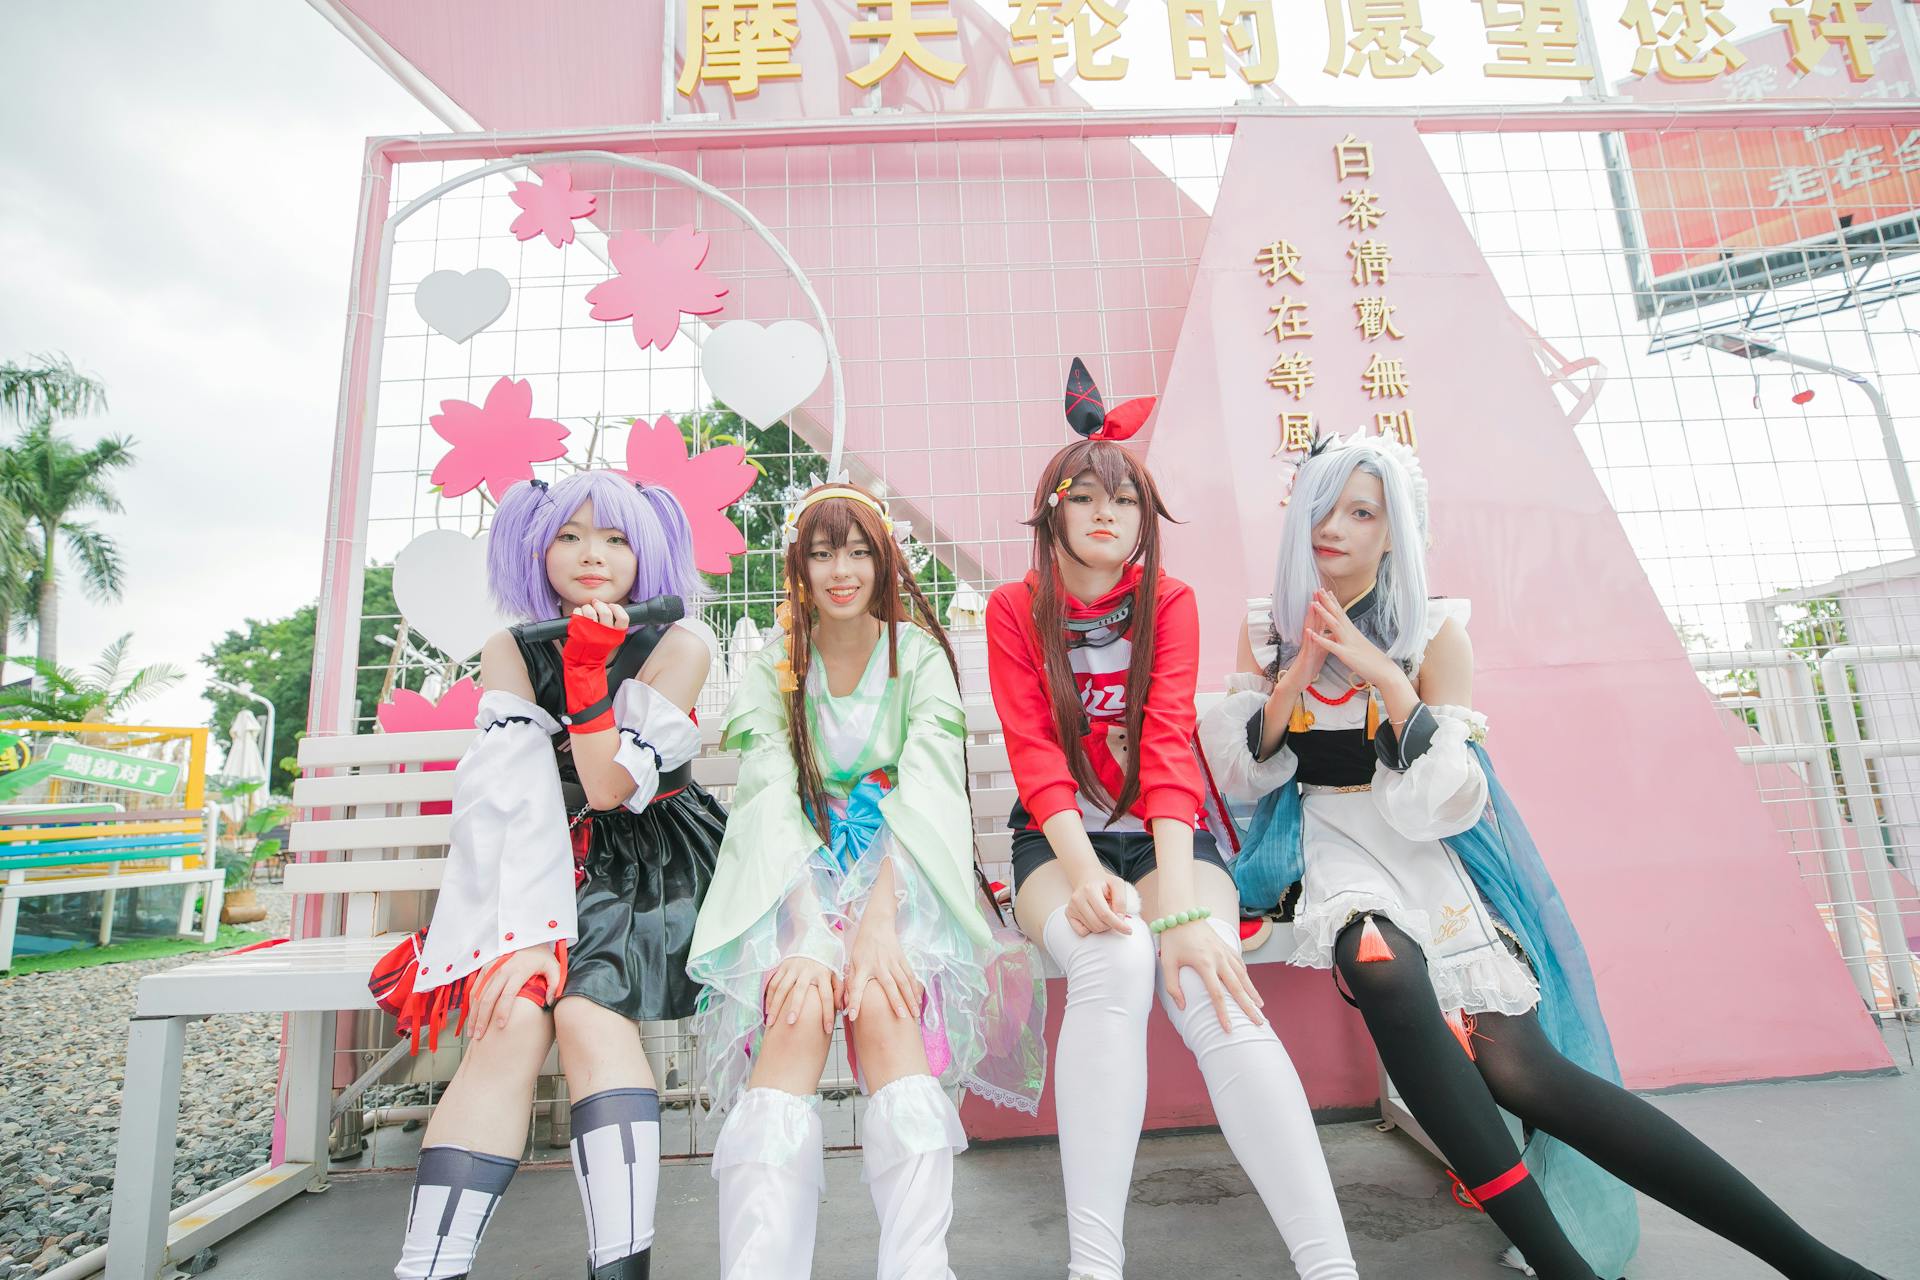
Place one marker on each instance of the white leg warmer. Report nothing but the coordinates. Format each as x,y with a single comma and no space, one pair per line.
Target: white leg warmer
1263,1111
770,1164
1100,1084
908,1140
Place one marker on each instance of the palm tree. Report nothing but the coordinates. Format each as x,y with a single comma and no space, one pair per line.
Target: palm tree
48,479
49,386
16,566
95,695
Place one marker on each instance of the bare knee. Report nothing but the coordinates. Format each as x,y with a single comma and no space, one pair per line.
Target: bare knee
889,1046
599,1049
516,1049
791,1055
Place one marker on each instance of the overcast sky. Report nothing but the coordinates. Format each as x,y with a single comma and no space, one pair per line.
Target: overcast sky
177,216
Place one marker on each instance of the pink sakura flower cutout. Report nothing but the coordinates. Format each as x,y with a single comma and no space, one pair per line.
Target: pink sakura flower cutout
706,485
656,282
497,444
409,712
551,205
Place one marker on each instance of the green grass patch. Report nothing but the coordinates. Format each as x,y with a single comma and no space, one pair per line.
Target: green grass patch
230,936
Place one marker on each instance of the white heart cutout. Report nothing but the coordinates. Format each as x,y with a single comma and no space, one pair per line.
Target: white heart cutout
440,588
763,374
461,304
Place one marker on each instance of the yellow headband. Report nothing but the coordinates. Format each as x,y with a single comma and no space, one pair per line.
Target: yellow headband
792,522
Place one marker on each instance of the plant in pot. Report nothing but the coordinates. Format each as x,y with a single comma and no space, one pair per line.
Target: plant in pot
246,847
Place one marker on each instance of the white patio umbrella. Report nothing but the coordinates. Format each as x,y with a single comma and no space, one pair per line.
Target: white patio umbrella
244,762
741,646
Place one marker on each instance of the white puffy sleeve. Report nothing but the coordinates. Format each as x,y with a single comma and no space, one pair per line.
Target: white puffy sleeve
509,875
1228,733
1443,792
1228,737
656,736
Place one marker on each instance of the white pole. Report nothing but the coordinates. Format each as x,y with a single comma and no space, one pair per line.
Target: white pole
1889,437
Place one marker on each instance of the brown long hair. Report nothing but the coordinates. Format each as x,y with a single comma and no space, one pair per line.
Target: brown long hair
1112,466
896,597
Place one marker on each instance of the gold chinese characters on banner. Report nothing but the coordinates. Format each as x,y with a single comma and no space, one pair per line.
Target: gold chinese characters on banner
1384,376
747,44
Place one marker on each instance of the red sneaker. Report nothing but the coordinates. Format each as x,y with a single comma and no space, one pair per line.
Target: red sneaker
1254,933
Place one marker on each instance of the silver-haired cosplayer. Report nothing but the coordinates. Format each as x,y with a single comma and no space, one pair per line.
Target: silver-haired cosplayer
1383,832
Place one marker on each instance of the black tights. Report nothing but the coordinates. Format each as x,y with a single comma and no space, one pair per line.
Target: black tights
1457,1099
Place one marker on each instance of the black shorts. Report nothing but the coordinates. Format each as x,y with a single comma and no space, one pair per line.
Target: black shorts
1127,854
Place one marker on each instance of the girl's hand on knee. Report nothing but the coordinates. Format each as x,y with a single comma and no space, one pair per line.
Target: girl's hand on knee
1197,947
788,986
501,986
877,956
1101,902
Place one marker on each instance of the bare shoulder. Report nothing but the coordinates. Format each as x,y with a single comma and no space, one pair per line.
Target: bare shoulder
501,653
681,648
502,667
1446,669
1451,644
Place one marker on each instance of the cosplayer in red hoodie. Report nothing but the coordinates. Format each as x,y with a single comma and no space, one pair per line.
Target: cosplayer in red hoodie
1093,659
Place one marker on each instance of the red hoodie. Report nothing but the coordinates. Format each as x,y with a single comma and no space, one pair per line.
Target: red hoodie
1170,784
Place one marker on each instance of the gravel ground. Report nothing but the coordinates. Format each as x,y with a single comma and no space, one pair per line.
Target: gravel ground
62,1051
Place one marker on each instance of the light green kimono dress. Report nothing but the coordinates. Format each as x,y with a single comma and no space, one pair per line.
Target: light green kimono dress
892,757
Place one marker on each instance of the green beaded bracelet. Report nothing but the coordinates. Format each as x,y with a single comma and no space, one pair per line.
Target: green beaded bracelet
1179,918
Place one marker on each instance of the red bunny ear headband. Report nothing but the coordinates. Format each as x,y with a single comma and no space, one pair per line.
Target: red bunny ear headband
1087,414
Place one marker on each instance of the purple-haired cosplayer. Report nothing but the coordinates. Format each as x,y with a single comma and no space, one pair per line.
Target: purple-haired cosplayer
579,855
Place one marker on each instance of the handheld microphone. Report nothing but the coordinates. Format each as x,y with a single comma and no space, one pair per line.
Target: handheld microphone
660,611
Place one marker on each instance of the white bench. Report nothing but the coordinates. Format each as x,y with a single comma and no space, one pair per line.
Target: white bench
385,848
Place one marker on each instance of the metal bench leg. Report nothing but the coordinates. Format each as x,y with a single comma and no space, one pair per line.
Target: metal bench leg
186,909
210,911
307,1097
143,1169
9,920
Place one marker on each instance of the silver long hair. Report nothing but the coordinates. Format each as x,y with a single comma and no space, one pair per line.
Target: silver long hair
1397,622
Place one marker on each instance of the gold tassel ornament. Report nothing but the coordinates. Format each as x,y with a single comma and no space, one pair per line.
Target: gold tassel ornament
1302,719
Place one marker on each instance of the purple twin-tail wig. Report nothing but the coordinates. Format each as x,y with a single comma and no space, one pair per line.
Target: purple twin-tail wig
529,519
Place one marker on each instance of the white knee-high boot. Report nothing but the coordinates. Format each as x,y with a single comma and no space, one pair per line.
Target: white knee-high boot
1264,1114
770,1163
1100,1084
908,1141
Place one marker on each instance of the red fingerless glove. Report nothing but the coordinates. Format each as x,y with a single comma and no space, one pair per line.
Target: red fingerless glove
583,669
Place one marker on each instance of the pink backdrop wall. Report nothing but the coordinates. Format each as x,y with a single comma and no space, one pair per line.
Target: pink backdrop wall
1712,964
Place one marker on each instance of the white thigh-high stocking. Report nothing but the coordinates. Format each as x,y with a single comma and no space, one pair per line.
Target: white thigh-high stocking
908,1141
1100,1084
455,1192
770,1163
1263,1111
616,1162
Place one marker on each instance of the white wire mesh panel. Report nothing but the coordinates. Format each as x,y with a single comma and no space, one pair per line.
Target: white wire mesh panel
1745,328
962,277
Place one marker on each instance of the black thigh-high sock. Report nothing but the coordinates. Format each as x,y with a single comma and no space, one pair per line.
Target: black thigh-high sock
1446,1095
1641,1145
